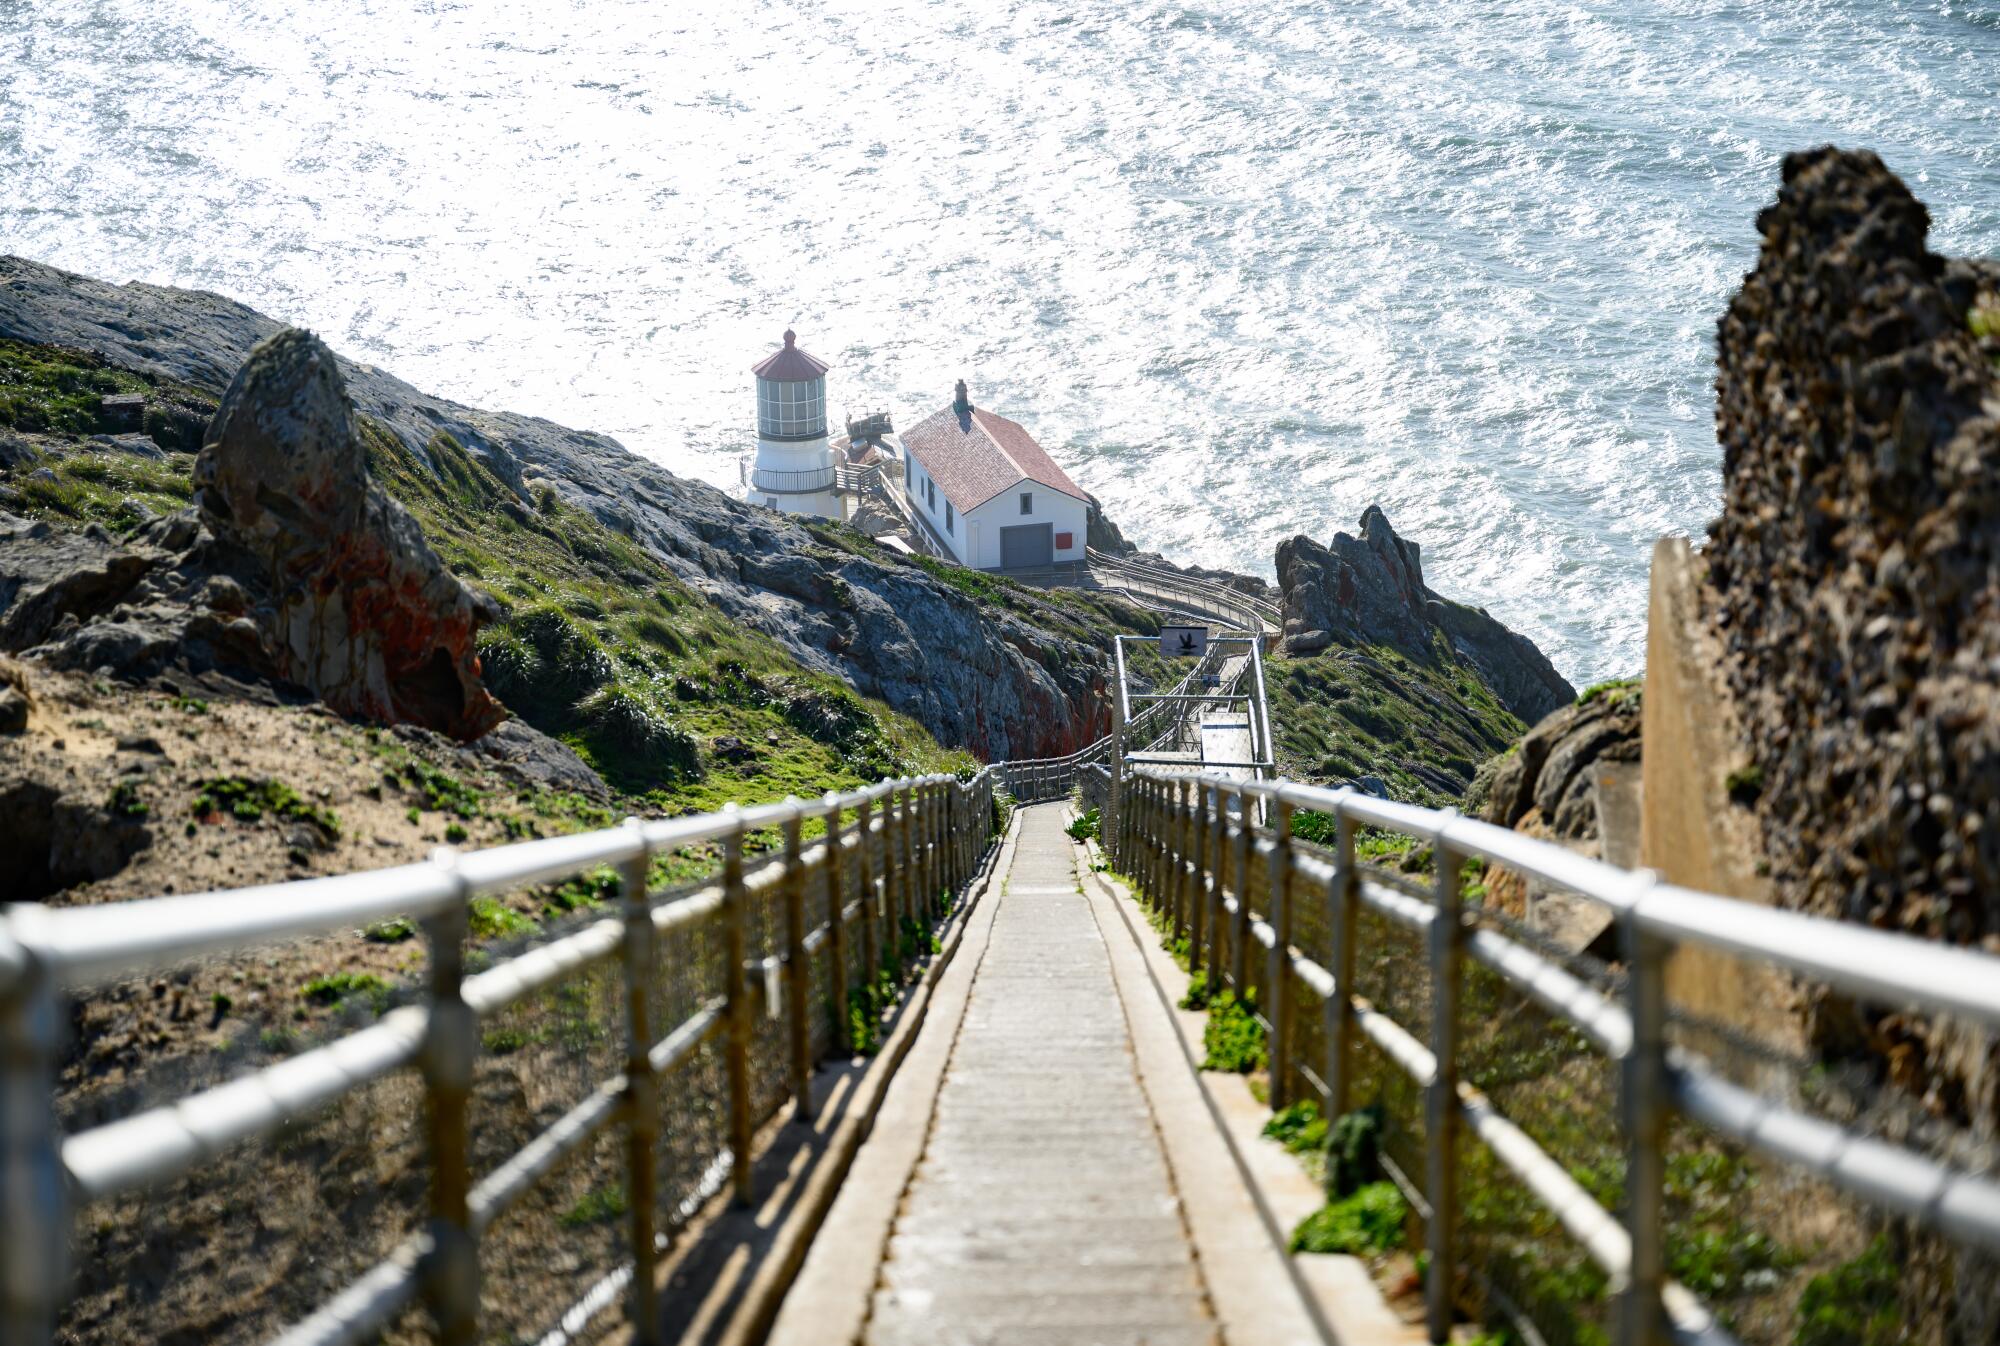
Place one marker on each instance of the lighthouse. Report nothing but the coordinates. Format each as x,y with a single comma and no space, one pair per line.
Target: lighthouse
794,469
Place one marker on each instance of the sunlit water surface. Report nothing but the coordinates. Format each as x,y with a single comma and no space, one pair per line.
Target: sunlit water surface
1243,268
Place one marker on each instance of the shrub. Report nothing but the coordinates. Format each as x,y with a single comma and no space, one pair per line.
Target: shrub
249,800
1299,1128
335,987
1233,1039
596,1206
1854,1304
626,726
1354,1151
1084,827
1371,1220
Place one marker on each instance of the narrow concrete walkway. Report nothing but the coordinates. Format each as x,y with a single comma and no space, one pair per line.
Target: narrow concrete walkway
1042,1210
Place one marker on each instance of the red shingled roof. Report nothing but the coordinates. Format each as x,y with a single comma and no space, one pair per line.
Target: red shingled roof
790,364
977,456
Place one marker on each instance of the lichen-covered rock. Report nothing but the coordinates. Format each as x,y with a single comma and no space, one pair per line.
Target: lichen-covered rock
363,612
1855,571
1370,590
1854,578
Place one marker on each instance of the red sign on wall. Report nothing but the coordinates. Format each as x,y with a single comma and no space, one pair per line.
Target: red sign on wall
1064,541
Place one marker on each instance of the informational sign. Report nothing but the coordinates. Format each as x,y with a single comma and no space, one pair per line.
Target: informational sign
1183,642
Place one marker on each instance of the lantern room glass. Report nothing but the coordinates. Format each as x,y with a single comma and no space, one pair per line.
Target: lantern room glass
791,410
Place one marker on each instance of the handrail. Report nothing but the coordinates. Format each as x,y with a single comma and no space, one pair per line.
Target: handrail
1194,848
788,482
891,855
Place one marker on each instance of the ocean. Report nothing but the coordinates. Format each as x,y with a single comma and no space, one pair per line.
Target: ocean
1243,269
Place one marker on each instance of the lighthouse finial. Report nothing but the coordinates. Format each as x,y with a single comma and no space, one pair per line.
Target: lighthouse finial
790,337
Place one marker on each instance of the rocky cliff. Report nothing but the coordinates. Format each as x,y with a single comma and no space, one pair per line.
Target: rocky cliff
1370,590
1013,677
1854,574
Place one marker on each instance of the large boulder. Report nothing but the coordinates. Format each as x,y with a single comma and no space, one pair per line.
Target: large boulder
362,611
1370,590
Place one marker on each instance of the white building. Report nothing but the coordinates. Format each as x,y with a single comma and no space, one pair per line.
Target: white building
794,469
988,493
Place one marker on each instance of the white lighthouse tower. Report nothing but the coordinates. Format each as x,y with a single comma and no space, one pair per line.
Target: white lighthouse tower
794,467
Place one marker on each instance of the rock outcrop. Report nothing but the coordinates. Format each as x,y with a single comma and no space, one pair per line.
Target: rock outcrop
1855,571
293,578
1370,590
1013,682
359,609
1550,773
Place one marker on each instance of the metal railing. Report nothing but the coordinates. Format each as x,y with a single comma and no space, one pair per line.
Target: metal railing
1239,892
1169,588
890,854
1039,779
807,482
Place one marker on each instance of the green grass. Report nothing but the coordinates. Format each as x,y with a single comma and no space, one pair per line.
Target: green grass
1373,1219
1232,1040
337,987
1084,826
596,1206
1421,727
1612,691
603,647
249,800
1855,1304
125,802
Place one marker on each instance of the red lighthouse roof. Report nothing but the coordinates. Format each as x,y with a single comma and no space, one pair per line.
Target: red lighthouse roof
791,364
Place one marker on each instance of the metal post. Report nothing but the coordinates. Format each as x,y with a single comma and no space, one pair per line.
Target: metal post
1279,978
642,1098
894,880
798,973
1177,851
871,899
1239,928
736,999
836,925
450,1053
1198,926
1447,947
34,1198
1642,1318
906,859
1219,852
1343,895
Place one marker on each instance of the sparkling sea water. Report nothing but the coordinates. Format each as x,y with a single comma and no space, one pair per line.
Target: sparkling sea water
1243,268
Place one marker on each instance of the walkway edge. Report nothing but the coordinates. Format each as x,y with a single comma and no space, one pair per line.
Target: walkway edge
1344,1304
1257,1297
828,1285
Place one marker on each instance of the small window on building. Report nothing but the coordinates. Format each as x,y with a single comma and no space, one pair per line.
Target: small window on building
770,502
1027,502
930,489
947,517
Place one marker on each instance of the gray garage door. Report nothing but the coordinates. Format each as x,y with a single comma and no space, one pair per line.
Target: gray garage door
1030,544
